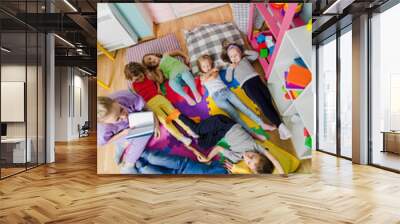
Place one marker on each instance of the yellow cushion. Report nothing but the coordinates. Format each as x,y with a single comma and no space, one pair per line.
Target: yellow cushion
288,162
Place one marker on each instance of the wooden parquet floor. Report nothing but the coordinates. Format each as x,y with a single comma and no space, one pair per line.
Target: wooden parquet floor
70,191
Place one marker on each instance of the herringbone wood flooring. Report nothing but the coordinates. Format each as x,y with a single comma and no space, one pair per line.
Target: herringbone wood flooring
70,191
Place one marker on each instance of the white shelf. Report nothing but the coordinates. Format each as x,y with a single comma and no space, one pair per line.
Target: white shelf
296,43
298,139
305,106
275,87
301,40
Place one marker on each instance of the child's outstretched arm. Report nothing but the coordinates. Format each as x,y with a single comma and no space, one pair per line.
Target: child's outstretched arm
200,156
274,161
251,55
118,136
213,153
180,53
157,132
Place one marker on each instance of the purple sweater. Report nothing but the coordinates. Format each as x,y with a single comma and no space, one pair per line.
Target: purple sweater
132,103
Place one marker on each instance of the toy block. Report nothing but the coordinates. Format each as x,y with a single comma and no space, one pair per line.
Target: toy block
260,38
262,45
264,53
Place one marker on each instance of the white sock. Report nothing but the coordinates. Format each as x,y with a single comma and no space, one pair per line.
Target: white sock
186,141
284,132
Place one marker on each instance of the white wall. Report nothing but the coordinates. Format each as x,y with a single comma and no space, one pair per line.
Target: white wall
33,127
69,82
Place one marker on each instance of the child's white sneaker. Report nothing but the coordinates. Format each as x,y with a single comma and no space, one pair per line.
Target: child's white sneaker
186,141
284,132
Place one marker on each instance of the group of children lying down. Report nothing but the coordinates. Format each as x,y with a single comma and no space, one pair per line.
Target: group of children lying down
145,79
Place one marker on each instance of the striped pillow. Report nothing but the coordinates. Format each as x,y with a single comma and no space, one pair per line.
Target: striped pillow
161,45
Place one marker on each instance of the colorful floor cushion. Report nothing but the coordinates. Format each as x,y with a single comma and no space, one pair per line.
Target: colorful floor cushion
207,39
240,13
160,45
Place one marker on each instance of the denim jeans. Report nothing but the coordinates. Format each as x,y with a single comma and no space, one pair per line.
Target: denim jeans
230,103
158,162
183,78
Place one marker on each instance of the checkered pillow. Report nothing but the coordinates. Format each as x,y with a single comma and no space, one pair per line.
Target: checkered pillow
207,39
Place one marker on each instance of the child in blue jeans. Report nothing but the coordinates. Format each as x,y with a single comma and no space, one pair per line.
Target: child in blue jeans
158,162
224,98
174,70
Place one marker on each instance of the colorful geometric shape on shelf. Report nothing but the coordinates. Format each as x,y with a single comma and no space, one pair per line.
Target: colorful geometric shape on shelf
306,134
291,85
270,44
287,97
283,89
260,38
292,94
299,7
296,93
264,53
277,5
299,76
308,142
262,45
271,49
300,62
269,41
309,25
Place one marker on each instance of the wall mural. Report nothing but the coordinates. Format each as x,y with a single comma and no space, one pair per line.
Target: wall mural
217,98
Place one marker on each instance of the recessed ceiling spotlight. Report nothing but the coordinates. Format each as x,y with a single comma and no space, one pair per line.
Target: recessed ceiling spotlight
5,50
84,71
70,5
64,40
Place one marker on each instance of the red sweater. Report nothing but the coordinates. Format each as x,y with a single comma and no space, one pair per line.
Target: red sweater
146,89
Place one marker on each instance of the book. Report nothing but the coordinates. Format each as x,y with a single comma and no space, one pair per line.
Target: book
140,124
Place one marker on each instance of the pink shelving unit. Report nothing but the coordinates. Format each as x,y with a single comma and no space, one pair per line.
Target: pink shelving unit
278,25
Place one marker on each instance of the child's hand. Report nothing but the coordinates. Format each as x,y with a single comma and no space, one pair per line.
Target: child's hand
187,61
214,70
202,158
228,165
124,132
157,132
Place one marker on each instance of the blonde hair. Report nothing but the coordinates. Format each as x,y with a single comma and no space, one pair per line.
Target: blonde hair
104,105
204,57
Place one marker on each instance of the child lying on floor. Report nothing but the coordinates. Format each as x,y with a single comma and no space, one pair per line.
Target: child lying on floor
241,69
241,145
224,98
159,162
177,72
162,108
112,115
114,126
